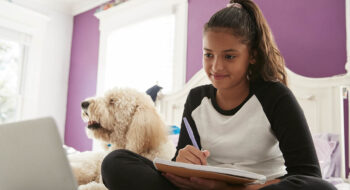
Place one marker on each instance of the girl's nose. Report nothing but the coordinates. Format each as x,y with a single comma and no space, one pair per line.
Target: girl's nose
217,64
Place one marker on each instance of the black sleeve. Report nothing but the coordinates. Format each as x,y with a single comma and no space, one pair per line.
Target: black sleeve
184,138
291,129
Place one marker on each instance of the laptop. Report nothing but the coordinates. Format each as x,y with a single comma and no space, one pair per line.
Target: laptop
32,157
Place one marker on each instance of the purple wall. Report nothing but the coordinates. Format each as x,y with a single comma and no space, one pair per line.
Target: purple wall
346,132
310,34
82,77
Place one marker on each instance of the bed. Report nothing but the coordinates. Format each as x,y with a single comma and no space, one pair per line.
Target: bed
323,101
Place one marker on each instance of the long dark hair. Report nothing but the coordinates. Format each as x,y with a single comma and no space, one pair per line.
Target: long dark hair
248,23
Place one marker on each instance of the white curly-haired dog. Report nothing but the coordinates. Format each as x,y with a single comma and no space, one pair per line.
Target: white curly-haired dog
122,119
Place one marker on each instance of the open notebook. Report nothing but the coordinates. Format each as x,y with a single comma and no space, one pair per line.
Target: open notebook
228,175
32,157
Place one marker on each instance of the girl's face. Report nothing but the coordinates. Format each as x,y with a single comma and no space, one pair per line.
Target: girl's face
225,59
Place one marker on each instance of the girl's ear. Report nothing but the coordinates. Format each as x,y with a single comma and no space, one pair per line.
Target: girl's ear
252,57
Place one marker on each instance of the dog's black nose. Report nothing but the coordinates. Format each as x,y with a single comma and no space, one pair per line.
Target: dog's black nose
85,104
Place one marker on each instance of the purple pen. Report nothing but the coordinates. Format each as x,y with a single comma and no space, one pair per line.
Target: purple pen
190,133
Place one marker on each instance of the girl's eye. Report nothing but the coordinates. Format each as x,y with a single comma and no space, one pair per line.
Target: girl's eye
229,56
208,55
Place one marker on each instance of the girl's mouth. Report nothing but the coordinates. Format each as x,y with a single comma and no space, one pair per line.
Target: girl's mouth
219,76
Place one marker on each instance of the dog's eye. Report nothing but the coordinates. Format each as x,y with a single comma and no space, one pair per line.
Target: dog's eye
111,101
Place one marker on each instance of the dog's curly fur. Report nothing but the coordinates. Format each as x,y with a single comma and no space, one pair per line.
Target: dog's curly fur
125,119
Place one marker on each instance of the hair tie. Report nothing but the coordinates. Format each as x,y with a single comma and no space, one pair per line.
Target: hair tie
237,5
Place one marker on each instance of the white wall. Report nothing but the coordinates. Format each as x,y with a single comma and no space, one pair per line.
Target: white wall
51,89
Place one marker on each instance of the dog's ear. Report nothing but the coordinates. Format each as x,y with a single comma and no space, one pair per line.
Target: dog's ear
146,131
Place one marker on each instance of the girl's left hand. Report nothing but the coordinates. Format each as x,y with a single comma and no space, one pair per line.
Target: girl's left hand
195,182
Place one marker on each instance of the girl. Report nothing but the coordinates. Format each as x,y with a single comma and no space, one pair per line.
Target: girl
246,119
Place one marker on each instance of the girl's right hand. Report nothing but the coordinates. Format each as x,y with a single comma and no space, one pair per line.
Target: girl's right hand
192,155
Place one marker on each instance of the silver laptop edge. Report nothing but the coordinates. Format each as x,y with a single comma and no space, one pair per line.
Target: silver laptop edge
32,157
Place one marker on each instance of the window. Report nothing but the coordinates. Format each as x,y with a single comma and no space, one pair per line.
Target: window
22,33
12,54
140,55
143,44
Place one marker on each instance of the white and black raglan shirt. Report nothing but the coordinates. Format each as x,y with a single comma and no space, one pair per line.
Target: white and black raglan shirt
266,134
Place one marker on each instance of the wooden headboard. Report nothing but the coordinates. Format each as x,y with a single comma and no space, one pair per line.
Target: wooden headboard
322,100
